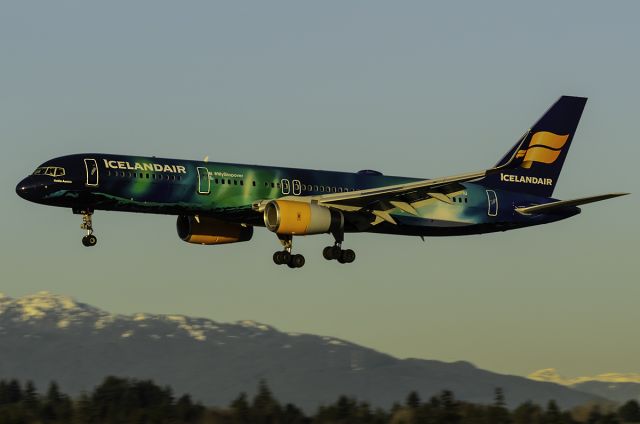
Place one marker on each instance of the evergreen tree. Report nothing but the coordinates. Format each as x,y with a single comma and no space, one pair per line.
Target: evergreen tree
53,393
499,398
4,392
594,416
30,399
527,413
293,415
83,410
241,409
14,392
498,413
187,411
630,412
413,400
264,409
449,408
552,415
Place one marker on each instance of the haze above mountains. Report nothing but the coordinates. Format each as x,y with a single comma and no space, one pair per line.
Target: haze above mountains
47,337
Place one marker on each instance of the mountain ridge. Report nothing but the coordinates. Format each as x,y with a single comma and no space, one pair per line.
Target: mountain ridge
619,387
47,337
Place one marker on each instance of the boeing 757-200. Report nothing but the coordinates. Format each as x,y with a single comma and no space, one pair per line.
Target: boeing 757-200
218,203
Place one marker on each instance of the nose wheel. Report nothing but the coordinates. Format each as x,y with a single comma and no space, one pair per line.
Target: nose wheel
285,257
89,240
87,224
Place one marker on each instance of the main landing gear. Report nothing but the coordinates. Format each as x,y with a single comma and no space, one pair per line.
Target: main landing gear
335,252
285,257
344,256
89,240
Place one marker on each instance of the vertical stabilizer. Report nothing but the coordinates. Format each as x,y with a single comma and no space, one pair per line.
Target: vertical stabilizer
533,165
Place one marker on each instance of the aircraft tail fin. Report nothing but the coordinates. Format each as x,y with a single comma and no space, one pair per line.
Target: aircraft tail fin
534,163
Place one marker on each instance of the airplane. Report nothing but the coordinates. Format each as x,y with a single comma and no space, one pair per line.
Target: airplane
219,203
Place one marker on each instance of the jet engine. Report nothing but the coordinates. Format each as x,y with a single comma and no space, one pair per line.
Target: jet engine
206,230
289,217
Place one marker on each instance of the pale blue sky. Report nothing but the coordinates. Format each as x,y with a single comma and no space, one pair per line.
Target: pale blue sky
408,88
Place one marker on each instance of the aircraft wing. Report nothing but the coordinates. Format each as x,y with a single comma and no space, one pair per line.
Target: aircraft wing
549,207
379,200
414,191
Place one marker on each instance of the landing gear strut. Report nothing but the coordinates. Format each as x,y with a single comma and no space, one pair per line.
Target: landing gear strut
336,252
285,256
89,240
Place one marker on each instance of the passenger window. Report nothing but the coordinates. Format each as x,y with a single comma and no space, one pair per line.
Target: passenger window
235,182
241,182
222,181
254,183
272,185
215,181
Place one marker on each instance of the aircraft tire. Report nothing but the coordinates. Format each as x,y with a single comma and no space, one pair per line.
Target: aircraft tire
348,256
276,258
327,253
89,241
297,261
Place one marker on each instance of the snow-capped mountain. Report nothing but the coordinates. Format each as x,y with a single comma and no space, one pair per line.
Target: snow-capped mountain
615,386
46,337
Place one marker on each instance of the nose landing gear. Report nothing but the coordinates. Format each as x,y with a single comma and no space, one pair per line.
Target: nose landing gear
87,224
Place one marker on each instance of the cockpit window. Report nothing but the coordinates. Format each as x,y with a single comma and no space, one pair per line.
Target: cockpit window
52,171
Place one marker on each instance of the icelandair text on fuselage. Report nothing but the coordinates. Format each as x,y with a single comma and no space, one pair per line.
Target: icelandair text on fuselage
154,167
522,179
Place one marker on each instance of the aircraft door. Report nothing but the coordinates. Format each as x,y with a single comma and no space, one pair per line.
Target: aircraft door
91,167
286,186
204,183
492,200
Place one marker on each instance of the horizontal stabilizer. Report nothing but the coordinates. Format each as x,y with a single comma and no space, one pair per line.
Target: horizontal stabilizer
548,207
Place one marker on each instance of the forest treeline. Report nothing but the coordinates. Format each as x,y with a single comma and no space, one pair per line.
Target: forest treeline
125,401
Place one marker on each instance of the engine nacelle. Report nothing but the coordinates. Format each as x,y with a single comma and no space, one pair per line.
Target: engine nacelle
208,230
299,218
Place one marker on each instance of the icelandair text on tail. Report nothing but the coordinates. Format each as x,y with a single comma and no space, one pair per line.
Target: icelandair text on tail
522,179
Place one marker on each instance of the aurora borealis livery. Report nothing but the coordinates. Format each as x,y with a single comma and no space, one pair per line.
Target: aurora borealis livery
218,203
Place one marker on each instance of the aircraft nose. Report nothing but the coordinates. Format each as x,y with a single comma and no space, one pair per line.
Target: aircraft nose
28,189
